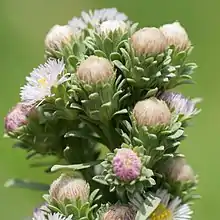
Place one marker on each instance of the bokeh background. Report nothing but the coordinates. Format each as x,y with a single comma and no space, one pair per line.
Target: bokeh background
23,25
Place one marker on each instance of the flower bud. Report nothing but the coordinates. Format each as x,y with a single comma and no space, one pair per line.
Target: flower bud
120,212
152,112
177,170
66,187
149,40
17,117
95,69
126,165
178,103
176,35
58,36
112,25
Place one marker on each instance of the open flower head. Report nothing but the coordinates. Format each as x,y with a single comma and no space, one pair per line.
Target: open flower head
152,112
126,165
170,209
41,80
112,25
95,18
66,187
17,117
54,216
58,36
117,212
176,35
179,103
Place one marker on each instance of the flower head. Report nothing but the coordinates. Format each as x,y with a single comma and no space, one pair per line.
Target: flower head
171,209
54,216
95,18
179,103
177,170
41,80
17,116
116,212
66,187
176,35
58,36
95,69
152,112
112,25
149,40
126,165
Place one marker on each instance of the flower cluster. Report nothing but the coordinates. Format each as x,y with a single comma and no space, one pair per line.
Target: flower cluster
103,105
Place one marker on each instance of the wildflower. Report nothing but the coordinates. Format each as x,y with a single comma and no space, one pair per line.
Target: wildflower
41,80
126,165
117,212
179,103
95,18
149,40
176,35
152,112
66,187
58,36
54,216
95,69
171,209
17,117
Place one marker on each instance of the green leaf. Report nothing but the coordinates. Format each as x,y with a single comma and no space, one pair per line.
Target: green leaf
115,56
100,53
176,135
121,112
149,205
75,166
120,66
93,195
152,92
19,183
73,60
100,179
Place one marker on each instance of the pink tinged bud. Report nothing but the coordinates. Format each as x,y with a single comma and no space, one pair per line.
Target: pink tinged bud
17,117
149,40
95,69
68,188
152,112
120,212
126,165
176,35
177,170
58,36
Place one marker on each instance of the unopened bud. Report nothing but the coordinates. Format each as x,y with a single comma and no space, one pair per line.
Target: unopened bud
95,69
58,36
149,40
69,188
112,25
119,212
17,117
176,35
152,112
177,170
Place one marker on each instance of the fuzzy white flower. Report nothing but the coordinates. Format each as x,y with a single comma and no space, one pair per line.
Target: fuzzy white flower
171,209
41,80
54,216
112,25
95,18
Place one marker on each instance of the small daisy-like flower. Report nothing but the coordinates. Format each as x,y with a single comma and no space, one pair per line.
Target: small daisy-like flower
95,18
176,35
177,170
112,25
41,80
54,216
126,165
17,116
149,40
152,112
58,36
170,209
66,187
179,103
95,69
116,212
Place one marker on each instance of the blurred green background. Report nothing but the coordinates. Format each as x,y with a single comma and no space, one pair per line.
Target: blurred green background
23,25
